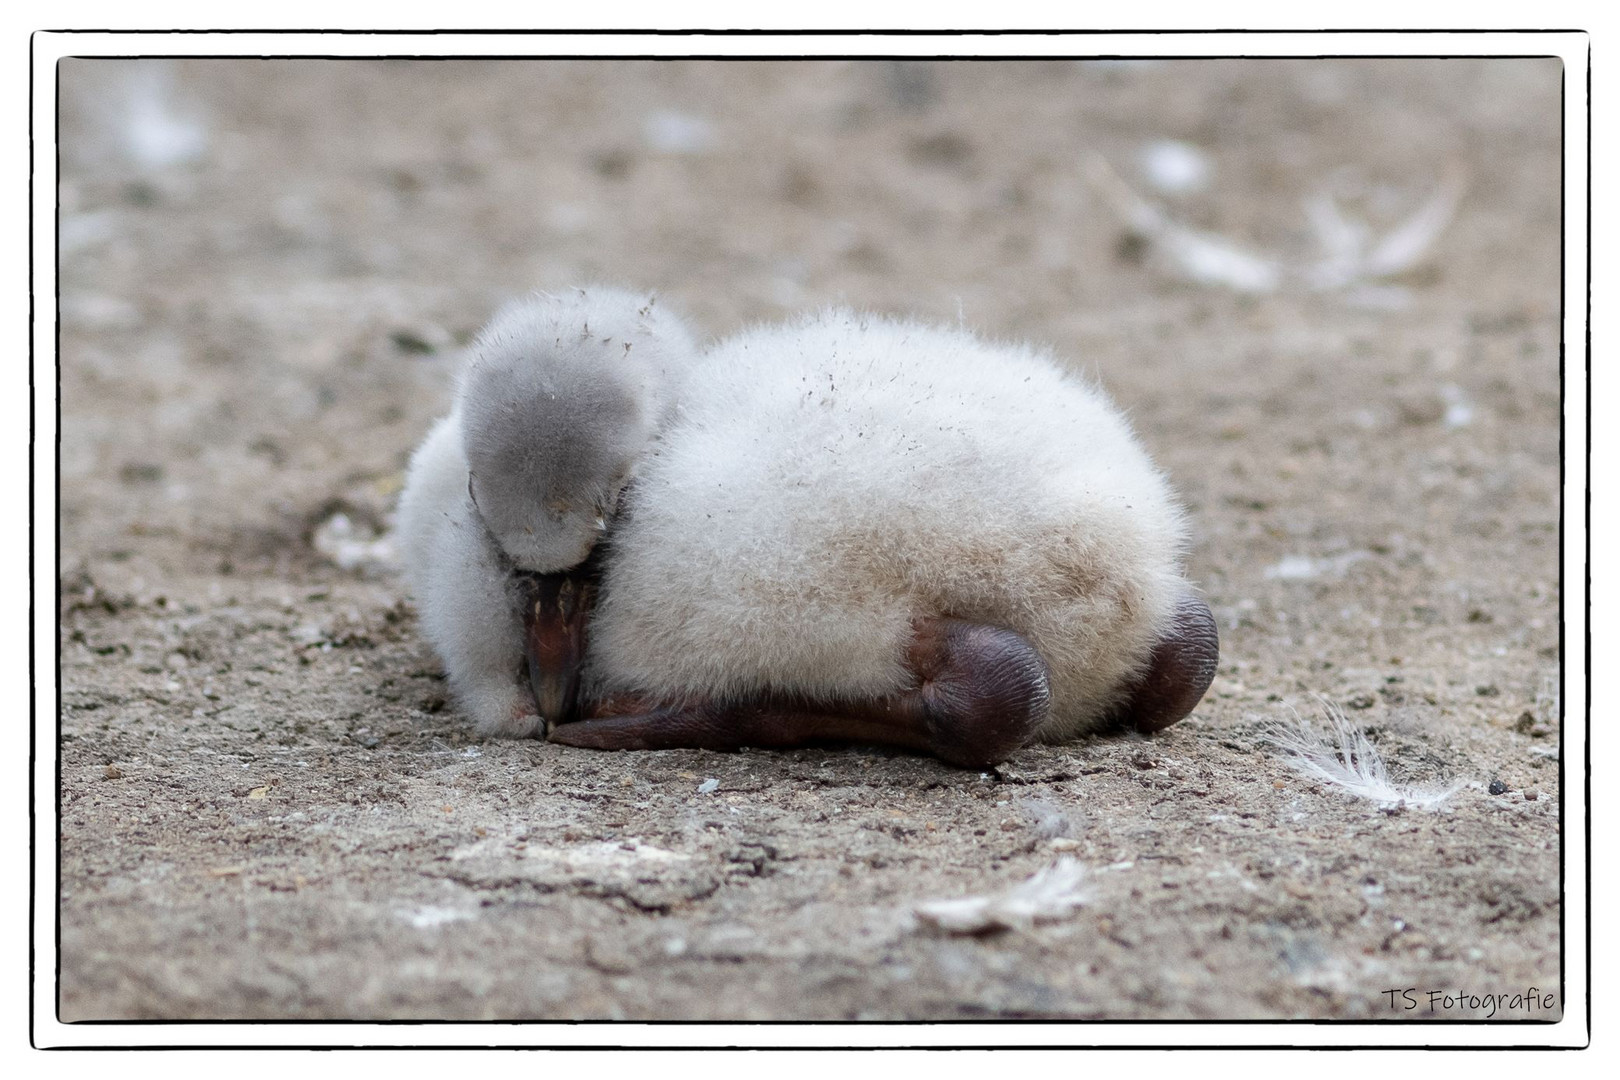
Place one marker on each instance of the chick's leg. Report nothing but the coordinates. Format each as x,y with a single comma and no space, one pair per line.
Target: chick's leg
981,694
1179,671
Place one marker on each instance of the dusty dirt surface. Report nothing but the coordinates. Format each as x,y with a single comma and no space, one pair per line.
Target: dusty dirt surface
269,809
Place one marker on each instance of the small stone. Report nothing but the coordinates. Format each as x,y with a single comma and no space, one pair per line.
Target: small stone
140,472
614,164
1531,795
1421,409
1497,787
411,342
113,772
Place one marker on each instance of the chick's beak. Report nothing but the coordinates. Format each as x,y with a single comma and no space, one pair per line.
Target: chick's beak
556,609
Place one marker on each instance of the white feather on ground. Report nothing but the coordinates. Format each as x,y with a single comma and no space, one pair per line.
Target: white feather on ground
1351,258
1050,895
1344,757
1205,258
1405,246
1351,255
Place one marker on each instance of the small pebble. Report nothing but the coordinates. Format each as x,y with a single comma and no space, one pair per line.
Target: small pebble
1497,787
1532,795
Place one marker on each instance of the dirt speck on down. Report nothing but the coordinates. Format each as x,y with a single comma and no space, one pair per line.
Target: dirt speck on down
1326,292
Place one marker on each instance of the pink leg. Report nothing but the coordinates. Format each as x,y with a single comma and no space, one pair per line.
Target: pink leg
981,694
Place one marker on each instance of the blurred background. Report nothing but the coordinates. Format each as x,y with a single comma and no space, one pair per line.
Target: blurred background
267,266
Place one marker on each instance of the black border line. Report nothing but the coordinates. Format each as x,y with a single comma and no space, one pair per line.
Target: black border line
33,645
461,31
56,343
854,1025
1563,308
804,57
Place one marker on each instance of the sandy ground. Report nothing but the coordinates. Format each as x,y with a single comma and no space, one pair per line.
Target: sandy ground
268,808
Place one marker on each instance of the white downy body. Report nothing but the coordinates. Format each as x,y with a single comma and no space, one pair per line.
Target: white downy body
827,481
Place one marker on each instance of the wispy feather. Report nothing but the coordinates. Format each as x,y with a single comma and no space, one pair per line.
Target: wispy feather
1343,756
1351,257
1051,894
1205,258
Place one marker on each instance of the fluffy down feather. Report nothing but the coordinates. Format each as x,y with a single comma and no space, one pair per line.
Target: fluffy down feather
559,399
824,482
558,402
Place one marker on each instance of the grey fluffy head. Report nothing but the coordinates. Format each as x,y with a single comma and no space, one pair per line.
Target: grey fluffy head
560,399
